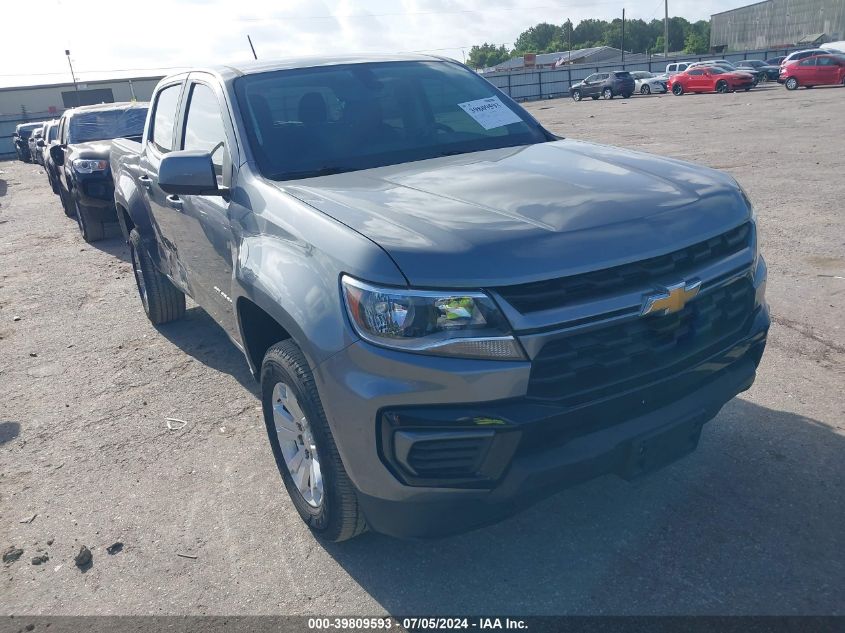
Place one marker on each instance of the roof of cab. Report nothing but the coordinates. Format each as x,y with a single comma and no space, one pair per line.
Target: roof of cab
229,71
120,105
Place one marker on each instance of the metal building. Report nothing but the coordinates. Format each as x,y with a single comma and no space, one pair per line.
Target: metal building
778,23
44,102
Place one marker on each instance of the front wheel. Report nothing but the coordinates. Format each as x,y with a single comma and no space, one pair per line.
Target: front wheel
67,207
677,90
607,93
162,301
304,447
645,90
576,95
92,230
791,83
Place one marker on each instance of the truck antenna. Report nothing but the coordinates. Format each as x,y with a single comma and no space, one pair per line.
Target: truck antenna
249,39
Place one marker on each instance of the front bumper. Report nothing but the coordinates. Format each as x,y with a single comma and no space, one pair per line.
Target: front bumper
371,395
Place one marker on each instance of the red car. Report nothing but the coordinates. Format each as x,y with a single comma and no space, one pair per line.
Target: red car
819,70
709,79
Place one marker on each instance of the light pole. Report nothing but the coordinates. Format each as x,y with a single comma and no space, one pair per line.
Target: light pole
72,76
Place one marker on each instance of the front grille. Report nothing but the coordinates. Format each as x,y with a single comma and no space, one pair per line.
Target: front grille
579,367
556,293
448,457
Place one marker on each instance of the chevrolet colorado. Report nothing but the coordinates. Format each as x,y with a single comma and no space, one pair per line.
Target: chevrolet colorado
451,311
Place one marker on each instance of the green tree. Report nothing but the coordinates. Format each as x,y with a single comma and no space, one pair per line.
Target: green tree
538,38
487,55
696,44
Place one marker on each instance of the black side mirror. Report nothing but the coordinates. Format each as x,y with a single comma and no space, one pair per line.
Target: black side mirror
188,173
40,142
57,154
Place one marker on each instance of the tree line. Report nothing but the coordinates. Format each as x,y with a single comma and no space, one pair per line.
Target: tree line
640,37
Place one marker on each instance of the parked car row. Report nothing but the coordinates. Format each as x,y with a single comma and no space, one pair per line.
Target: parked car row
74,151
808,68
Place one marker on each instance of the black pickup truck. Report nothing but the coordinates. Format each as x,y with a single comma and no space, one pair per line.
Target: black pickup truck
81,161
452,312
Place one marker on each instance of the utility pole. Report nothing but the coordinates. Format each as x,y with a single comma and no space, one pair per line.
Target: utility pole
623,35
73,76
666,29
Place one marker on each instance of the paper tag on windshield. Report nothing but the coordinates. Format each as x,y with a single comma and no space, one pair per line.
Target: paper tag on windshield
490,113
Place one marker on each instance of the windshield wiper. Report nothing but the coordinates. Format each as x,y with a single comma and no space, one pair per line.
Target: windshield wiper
308,173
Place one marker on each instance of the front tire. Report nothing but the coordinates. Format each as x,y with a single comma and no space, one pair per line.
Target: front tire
67,207
645,90
791,83
92,230
677,90
607,94
163,302
576,95
304,447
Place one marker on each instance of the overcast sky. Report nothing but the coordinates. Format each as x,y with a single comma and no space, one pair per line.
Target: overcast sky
142,37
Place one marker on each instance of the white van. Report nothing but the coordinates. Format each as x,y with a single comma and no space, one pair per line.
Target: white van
674,69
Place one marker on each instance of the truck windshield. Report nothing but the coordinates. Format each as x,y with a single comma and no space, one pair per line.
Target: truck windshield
106,124
331,119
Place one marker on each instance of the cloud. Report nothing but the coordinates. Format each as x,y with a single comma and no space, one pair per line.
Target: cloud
166,33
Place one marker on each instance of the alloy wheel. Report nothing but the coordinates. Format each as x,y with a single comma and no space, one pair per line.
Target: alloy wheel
139,278
297,444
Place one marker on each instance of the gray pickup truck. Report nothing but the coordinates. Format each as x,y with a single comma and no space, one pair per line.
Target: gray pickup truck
452,312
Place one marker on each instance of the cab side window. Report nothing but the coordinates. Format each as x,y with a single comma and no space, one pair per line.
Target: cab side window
204,129
164,120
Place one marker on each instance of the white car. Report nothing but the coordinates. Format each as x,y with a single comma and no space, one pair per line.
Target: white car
646,83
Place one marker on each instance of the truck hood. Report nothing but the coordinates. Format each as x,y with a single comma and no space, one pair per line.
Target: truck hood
92,149
522,214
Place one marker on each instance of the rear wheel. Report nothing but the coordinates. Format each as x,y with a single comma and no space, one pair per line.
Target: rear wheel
162,301
645,90
791,83
576,95
607,93
677,90
722,86
304,447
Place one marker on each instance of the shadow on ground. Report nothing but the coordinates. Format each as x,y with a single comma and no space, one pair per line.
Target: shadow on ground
9,431
113,245
197,334
750,523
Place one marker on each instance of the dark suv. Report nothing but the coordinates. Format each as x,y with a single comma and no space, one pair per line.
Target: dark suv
604,85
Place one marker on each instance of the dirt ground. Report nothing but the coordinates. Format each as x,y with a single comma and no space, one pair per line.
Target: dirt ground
751,523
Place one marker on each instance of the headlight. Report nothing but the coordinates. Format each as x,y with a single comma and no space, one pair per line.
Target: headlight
87,166
464,324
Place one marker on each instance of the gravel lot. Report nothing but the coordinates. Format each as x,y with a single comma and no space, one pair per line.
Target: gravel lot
751,523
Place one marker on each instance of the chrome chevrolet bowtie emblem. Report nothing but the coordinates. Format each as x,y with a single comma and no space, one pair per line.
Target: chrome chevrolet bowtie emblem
670,299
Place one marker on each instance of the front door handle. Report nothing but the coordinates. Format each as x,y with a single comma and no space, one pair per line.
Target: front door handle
174,201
